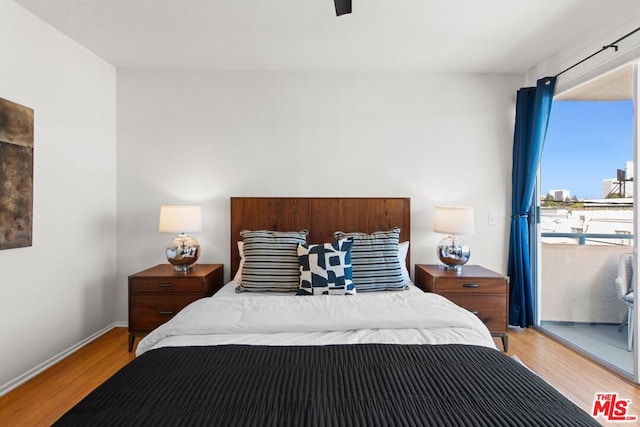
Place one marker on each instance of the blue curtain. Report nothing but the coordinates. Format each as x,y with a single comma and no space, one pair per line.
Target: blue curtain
533,107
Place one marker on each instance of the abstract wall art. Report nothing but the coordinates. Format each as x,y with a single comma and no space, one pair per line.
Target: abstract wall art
16,175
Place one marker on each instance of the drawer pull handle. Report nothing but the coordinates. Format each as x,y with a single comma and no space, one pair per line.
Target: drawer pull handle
166,285
166,313
470,285
476,312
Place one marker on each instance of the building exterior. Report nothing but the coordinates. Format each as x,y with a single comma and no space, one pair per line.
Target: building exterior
621,185
560,195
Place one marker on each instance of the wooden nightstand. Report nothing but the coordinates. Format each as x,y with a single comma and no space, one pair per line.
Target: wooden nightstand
158,293
483,292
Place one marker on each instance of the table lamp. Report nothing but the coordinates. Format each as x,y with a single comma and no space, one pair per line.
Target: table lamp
183,251
452,251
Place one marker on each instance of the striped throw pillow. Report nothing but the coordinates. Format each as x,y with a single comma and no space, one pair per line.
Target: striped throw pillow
326,269
374,260
271,260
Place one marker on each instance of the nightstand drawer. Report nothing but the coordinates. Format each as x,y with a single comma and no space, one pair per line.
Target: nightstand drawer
166,285
481,291
158,293
150,311
491,309
471,284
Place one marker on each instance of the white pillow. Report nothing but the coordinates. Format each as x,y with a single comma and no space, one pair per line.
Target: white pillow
403,250
238,277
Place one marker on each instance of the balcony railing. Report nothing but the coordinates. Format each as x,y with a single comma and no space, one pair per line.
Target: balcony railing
578,277
596,238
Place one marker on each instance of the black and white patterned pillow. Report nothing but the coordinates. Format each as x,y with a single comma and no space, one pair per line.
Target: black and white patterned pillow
374,260
326,269
271,260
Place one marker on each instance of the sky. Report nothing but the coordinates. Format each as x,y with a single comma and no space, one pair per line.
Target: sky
586,142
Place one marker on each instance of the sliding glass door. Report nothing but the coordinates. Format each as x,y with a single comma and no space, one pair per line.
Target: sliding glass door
586,222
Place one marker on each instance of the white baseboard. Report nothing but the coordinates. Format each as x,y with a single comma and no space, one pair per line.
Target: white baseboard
6,388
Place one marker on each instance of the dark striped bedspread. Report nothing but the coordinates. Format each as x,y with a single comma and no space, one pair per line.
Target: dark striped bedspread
340,385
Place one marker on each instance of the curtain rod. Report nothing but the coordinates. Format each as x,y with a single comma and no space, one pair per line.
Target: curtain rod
613,44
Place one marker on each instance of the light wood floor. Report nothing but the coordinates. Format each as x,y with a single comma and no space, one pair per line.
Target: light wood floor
42,400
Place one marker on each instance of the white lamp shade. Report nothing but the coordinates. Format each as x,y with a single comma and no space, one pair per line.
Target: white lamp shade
454,220
180,219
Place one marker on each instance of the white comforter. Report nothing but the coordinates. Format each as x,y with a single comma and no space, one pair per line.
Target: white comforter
398,317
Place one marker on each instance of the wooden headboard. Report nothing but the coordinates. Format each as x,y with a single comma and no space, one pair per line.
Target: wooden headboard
322,216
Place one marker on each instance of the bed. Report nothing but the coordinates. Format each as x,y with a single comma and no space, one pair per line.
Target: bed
328,354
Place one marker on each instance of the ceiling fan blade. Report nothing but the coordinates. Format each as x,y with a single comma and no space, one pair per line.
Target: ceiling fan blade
342,7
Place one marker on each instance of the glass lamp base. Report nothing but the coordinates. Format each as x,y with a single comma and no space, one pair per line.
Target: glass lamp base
183,252
453,252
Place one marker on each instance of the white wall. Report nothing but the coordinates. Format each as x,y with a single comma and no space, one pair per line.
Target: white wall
201,137
61,290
